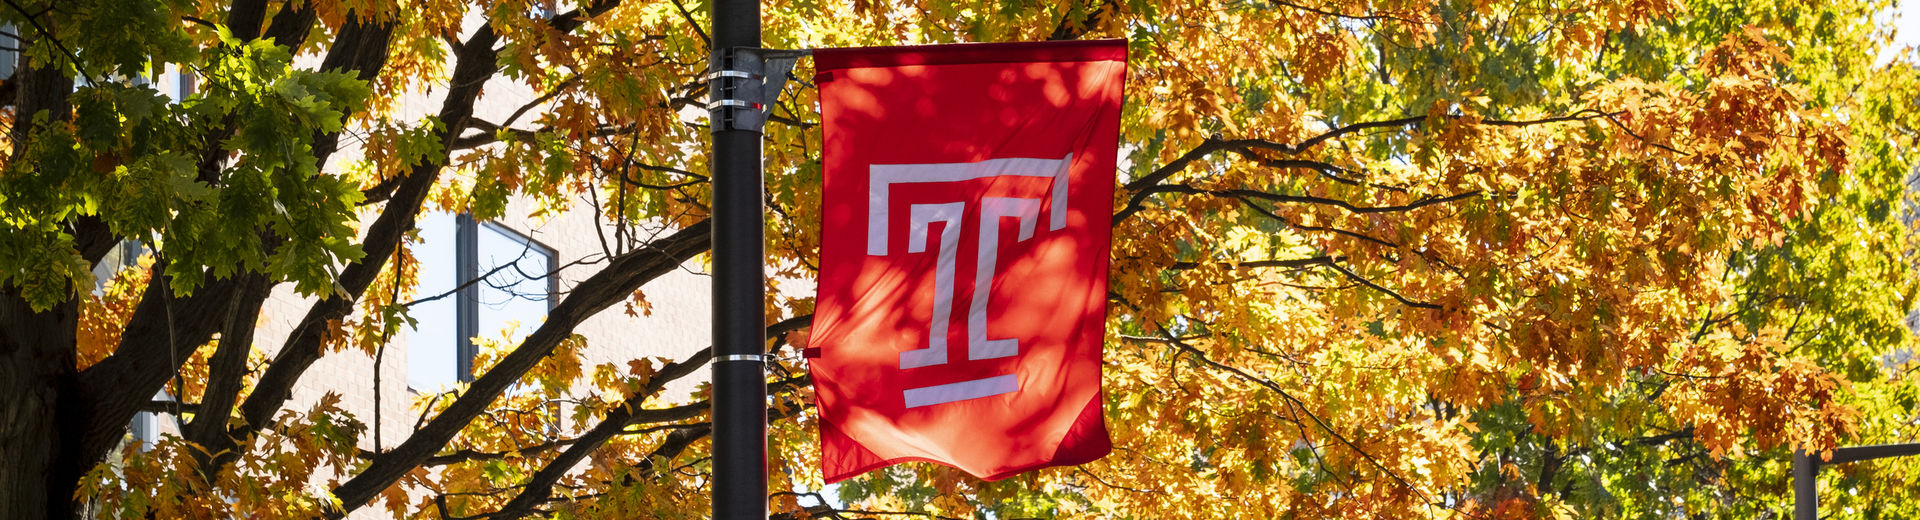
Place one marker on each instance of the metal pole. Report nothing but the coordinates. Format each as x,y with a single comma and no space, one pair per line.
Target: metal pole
1863,453
1806,472
739,342
1806,496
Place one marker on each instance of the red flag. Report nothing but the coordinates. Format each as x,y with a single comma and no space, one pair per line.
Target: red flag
963,268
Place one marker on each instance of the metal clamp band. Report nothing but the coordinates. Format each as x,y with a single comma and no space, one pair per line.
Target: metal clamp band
757,358
730,103
731,74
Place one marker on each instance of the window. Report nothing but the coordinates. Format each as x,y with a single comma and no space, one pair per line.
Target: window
123,254
513,284
171,81
147,427
10,46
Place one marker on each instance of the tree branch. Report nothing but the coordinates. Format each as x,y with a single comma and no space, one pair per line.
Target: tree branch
244,18
1140,187
305,344
1294,403
540,485
621,276
1357,18
1289,263
228,366
1070,29
1305,199
159,337
539,488
292,24
1389,292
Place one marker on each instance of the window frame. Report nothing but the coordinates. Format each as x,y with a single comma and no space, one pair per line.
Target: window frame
467,265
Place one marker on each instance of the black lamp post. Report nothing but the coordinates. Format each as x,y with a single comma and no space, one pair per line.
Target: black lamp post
1806,472
735,80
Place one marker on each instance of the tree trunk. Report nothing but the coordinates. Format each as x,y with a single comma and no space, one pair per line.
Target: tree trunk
40,403
37,379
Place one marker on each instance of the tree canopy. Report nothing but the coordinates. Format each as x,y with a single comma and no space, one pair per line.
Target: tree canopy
1395,258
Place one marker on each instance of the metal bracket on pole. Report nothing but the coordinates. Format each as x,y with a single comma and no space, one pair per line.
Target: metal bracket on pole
779,68
738,86
734,90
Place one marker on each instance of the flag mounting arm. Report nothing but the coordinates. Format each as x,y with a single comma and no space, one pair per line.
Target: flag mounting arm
739,83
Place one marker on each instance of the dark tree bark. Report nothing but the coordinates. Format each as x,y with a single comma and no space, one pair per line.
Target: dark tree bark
37,376
38,466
